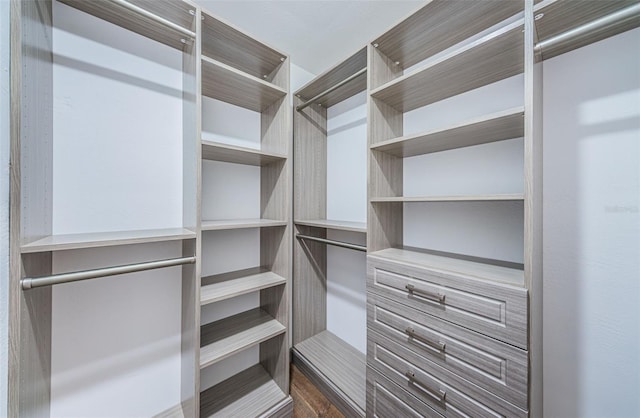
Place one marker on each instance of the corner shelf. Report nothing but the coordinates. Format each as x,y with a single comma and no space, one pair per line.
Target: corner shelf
334,224
495,127
228,285
249,393
216,151
228,336
105,239
219,225
225,83
492,58
462,198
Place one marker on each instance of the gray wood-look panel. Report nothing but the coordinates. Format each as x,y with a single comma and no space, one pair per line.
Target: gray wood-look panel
226,43
463,198
334,224
473,301
353,87
494,57
229,285
250,393
498,126
190,327
441,24
283,409
461,398
386,399
339,362
174,11
495,366
223,338
223,82
563,15
172,412
238,155
106,239
222,224
334,75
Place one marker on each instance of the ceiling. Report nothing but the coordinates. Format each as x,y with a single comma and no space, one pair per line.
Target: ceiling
316,34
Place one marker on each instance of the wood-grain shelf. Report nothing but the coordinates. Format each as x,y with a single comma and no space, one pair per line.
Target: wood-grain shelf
216,151
339,363
461,198
177,12
223,82
228,285
439,25
218,225
249,393
492,58
476,269
334,224
498,126
228,336
105,239
559,16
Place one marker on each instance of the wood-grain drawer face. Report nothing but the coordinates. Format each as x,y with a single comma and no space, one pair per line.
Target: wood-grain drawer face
445,392
494,309
385,399
493,365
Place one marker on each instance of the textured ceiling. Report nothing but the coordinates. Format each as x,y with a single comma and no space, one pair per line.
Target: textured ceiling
316,34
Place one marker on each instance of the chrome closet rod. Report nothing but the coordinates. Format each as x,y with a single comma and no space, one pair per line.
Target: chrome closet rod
330,89
333,242
616,17
32,282
161,20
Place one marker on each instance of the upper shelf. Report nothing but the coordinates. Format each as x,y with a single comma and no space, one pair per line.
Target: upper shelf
439,25
219,225
499,126
176,13
461,198
333,224
494,57
231,46
225,83
105,239
238,155
554,17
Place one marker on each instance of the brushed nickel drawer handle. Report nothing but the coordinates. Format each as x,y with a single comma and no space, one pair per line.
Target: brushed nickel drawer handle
438,297
438,345
439,394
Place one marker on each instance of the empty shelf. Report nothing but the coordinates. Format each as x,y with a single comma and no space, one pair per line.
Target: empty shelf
218,225
250,393
343,365
439,25
456,265
236,283
333,224
238,155
105,239
463,198
225,83
495,127
494,57
229,336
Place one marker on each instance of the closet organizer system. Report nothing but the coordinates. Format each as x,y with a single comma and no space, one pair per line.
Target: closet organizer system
219,62
447,334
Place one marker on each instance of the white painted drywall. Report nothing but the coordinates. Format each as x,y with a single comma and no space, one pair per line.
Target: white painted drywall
592,230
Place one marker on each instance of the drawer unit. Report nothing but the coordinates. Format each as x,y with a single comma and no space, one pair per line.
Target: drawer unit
385,399
445,392
495,309
493,365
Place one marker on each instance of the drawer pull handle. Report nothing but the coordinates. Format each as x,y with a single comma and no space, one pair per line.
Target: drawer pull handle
438,297
439,394
438,345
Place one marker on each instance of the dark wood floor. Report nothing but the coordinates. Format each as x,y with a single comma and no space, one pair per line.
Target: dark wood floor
308,401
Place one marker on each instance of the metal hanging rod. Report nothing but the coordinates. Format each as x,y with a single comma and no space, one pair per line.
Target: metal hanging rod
330,89
30,283
616,17
333,242
148,14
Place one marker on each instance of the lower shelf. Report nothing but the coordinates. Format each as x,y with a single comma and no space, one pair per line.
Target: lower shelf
337,367
250,393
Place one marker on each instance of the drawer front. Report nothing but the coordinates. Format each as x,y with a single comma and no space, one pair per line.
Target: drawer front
495,366
494,309
445,392
385,399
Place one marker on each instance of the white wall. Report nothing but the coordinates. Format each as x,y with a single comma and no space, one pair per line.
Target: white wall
592,230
